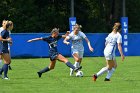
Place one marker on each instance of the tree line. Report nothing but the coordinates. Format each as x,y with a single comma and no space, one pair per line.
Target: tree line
95,16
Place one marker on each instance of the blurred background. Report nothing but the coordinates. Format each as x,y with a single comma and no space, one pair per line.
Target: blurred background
96,16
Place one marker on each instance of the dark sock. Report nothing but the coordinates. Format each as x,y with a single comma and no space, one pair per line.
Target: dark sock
70,65
2,69
9,67
45,70
5,69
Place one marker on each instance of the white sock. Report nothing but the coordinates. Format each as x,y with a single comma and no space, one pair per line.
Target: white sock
103,70
76,64
110,72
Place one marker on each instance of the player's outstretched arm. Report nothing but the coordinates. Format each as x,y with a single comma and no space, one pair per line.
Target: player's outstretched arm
66,41
89,45
35,39
120,50
67,33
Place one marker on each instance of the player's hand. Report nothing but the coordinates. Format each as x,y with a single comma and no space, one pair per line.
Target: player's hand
122,57
10,43
67,43
29,41
9,39
91,49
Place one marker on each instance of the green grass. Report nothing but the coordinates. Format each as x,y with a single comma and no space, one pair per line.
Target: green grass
23,77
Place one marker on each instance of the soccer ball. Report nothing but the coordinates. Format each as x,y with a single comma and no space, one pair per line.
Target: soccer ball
79,74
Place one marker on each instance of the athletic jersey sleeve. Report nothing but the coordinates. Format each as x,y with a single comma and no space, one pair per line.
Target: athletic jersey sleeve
59,37
107,37
82,35
45,38
119,39
70,35
4,34
1,29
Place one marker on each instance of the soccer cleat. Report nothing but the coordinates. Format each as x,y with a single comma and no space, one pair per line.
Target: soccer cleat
107,79
76,69
71,71
39,74
94,77
9,67
6,78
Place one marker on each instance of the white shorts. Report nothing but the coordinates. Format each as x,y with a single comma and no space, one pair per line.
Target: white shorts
109,56
79,52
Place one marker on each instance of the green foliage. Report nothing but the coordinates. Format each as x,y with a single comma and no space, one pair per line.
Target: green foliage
42,15
133,12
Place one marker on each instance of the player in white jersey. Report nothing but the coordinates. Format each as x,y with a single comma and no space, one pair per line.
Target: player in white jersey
9,44
113,39
77,48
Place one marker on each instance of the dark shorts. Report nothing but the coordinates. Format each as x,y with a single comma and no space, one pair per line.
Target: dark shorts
53,55
4,51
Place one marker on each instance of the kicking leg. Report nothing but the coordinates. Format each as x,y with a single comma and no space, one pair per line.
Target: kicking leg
102,71
65,60
46,69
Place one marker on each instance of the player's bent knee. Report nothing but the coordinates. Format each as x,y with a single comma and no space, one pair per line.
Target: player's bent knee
77,59
65,60
51,68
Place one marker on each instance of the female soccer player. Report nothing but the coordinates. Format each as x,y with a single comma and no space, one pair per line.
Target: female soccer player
77,45
1,29
53,53
113,39
9,44
4,40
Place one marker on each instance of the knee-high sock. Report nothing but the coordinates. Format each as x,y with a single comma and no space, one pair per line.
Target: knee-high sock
5,69
46,69
1,70
70,65
76,64
110,72
103,70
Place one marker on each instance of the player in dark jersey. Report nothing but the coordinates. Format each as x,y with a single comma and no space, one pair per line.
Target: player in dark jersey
4,40
53,53
1,29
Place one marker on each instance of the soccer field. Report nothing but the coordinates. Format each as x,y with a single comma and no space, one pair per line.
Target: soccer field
24,79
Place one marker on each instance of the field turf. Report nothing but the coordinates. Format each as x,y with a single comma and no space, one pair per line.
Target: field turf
24,79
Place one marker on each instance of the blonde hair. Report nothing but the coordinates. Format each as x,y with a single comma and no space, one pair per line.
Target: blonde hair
117,26
55,30
80,26
10,22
